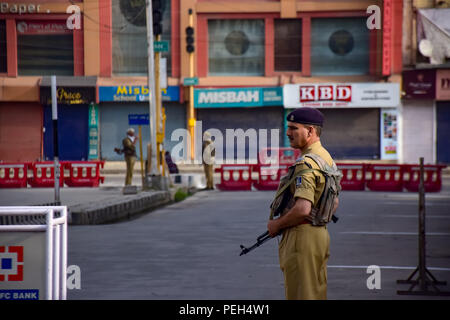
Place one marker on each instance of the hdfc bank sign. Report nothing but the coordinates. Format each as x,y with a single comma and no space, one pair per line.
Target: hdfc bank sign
310,93
356,95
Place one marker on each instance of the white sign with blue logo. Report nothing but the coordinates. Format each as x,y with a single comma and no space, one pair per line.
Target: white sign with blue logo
238,97
22,266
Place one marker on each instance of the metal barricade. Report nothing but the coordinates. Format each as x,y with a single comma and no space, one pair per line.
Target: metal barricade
432,177
13,175
384,177
269,176
33,248
235,177
43,175
353,176
83,173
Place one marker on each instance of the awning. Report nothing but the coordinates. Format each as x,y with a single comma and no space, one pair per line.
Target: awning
70,90
433,34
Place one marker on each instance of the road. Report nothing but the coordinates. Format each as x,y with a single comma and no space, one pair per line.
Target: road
190,250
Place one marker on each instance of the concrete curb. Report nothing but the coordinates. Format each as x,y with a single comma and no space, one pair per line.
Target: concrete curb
115,209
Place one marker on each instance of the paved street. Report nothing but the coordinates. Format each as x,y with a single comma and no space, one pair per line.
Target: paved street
190,250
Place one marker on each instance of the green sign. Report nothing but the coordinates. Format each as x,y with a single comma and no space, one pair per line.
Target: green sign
161,46
238,97
93,132
190,81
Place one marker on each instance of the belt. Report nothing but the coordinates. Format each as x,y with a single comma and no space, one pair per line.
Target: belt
305,222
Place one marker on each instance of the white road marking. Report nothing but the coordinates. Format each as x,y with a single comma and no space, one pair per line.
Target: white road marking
365,267
384,233
387,267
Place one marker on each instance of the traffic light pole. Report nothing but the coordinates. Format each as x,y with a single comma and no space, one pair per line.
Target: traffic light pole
159,136
191,115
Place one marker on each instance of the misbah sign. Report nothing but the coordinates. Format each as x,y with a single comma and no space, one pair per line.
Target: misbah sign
238,97
347,95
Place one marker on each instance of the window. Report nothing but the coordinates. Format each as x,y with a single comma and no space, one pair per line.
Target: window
44,48
288,45
129,37
339,46
3,55
236,47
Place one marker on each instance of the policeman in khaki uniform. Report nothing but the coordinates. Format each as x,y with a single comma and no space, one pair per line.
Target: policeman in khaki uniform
304,247
129,150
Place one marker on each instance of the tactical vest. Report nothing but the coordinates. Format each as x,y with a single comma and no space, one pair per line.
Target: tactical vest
322,212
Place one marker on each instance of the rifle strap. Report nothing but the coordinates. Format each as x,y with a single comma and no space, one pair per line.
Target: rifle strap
291,180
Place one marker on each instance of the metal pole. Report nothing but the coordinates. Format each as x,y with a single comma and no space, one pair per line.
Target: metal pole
151,85
141,152
64,255
191,115
158,107
55,139
422,257
49,255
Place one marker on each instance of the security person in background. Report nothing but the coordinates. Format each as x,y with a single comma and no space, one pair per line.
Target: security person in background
304,248
208,156
129,151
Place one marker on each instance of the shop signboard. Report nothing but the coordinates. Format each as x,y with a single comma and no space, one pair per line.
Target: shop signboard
341,95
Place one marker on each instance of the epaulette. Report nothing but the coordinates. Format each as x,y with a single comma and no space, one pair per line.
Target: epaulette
300,160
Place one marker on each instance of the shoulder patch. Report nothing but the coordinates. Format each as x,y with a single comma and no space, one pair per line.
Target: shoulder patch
300,159
298,182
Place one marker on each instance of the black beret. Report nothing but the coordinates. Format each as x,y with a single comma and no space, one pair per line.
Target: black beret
306,115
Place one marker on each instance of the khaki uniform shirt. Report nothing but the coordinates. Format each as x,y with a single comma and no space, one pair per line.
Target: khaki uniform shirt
310,185
129,149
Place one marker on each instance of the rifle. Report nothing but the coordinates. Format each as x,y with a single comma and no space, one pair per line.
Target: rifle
259,241
264,237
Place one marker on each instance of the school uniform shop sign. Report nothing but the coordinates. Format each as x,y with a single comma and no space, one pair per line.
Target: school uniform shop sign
356,95
136,94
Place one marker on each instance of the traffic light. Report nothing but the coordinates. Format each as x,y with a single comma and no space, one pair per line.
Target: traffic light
157,17
190,39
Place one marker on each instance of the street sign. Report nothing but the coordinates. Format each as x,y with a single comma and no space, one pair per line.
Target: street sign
161,46
190,81
138,119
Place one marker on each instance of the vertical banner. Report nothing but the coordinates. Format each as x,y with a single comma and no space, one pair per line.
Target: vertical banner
93,132
387,37
389,134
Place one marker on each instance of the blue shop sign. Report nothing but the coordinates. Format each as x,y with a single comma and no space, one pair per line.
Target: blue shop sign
135,94
138,119
238,97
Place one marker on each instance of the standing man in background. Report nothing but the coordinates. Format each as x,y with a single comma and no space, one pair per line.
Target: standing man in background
129,151
208,157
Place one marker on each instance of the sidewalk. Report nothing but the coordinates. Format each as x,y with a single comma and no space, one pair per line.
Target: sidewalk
105,204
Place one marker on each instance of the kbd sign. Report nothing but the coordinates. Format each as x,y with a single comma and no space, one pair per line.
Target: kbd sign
355,95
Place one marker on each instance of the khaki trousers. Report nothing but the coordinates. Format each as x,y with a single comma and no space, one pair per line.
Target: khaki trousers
209,175
130,161
304,252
